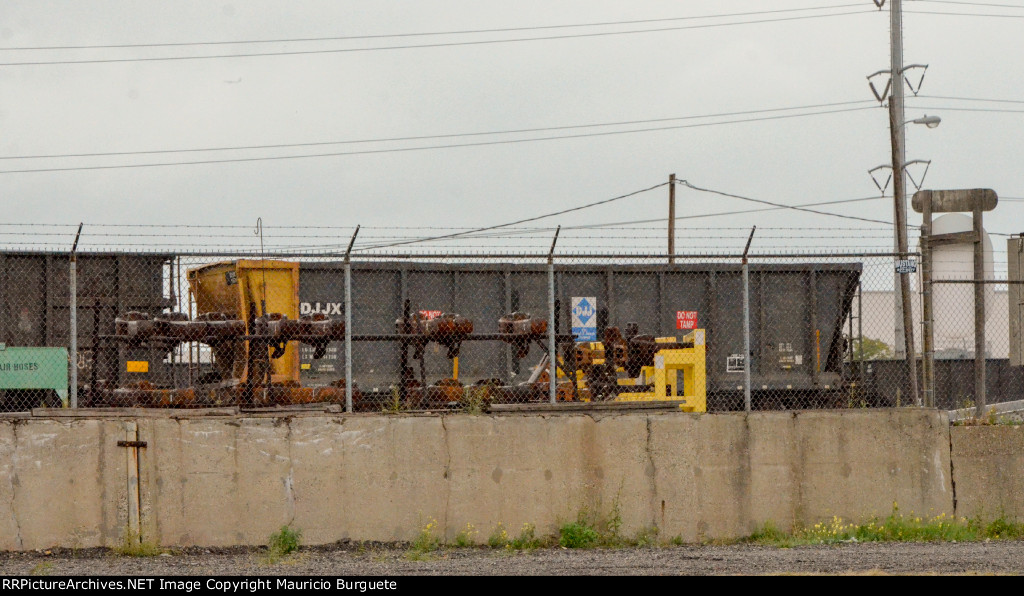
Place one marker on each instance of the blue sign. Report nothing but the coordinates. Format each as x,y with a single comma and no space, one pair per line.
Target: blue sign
584,318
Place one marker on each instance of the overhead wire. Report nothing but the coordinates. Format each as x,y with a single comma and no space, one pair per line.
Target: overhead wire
427,45
687,184
438,136
989,4
425,148
529,219
428,33
722,213
963,14
957,109
979,99
683,182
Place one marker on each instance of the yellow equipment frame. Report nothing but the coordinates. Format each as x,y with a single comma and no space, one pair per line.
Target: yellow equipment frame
664,373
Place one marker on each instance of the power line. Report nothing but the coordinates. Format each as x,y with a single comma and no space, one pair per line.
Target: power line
427,137
952,109
973,3
723,213
527,220
969,99
429,33
429,147
725,194
429,45
965,14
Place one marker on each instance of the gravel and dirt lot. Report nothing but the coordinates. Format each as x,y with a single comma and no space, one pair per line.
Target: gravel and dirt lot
998,557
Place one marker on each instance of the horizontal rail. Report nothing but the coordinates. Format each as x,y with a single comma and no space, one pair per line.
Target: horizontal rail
407,337
453,255
977,281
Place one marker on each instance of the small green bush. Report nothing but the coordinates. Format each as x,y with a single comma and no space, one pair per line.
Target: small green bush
770,534
466,538
499,537
647,537
425,543
284,542
578,534
527,539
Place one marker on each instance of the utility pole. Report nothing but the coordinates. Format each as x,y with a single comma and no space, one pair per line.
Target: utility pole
898,141
903,311
671,219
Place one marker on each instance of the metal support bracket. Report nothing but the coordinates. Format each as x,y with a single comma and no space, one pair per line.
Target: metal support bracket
131,444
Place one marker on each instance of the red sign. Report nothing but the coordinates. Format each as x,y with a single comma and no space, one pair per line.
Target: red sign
686,319
430,314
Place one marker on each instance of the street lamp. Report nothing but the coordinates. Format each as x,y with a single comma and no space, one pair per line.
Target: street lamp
929,121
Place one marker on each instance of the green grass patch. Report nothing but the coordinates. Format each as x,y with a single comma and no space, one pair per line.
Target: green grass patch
132,545
646,537
425,544
499,537
527,539
43,568
578,534
283,543
466,538
897,527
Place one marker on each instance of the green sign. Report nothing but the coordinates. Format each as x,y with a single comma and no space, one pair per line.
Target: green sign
35,368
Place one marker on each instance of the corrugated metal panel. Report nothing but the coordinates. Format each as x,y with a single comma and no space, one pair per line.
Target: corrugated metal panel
784,312
34,301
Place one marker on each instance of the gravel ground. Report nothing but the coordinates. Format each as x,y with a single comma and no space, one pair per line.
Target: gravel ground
1001,557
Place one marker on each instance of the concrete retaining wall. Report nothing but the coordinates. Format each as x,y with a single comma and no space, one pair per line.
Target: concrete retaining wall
229,480
62,482
988,470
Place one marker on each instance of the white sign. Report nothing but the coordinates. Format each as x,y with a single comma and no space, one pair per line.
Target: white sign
584,318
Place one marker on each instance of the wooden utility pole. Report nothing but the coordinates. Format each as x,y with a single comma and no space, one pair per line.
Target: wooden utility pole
902,288
671,219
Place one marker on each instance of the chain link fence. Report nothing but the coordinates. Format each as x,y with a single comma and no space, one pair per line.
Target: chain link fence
382,328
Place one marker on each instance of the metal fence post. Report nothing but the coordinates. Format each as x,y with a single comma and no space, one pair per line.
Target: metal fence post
348,322
552,344
746,324
927,298
979,311
73,332
348,336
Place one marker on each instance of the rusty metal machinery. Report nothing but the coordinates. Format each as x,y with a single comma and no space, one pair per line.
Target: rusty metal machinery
621,367
415,332
520,329
270,334
248,318
634,367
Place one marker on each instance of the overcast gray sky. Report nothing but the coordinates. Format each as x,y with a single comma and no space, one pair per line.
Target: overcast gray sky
345,90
